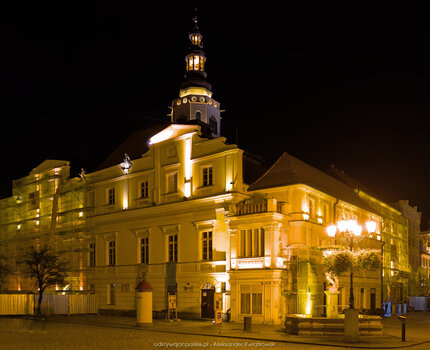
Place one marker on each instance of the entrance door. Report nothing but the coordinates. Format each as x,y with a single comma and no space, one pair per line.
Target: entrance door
208,303
372,301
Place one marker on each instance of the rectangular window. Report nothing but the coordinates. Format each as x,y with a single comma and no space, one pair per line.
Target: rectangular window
172,182
173,248
326,213
251,243
245,303
207,245
92,255
251,303
111,196
144,189
110,293
33,198
311,207
207,176
144,250
112,253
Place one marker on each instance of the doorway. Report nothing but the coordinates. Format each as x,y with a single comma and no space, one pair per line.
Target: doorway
208,294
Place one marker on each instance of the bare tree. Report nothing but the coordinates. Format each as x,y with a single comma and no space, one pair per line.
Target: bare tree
46,268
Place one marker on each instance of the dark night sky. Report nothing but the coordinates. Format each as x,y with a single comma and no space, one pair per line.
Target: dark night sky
330,85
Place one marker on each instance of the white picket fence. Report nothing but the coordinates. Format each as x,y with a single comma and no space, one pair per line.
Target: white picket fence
24,304
16,304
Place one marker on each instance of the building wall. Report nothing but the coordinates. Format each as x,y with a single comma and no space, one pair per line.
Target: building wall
396,267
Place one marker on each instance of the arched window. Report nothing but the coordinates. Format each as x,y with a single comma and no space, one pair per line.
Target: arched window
214,125
198,115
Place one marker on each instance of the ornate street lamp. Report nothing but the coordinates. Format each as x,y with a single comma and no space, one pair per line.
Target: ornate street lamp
350,228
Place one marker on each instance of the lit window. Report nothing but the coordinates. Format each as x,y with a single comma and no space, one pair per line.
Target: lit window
144,250
173,248
207,245
207,176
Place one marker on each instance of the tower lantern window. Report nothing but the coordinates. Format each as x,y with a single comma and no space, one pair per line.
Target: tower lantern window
196,39
195,62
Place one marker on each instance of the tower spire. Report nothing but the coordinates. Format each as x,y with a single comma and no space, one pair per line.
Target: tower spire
195,104
195,59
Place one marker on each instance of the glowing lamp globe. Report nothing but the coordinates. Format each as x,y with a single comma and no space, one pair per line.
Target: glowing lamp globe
371,226
356,230
342,225
331,230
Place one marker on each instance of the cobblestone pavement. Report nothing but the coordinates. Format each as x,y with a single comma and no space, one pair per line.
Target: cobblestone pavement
73,336
113,332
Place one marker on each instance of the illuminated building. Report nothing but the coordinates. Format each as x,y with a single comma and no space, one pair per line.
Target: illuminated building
173,205
46,207
394,235
413,217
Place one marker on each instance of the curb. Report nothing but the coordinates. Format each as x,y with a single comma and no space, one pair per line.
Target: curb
287,341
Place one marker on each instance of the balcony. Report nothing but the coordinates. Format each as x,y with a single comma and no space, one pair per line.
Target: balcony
256,207
256,263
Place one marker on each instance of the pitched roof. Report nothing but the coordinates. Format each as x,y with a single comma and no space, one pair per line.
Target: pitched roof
134,146
49,164
289,170
340,175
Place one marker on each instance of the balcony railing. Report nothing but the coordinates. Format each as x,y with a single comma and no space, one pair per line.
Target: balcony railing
252,207
244,208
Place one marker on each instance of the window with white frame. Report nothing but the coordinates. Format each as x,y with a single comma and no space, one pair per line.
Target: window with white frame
144,189
144,250
112,253
207,245
251,242
207,176
173,247
111,196
172,182
251,300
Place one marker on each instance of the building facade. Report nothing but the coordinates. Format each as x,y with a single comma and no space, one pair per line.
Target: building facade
396,270
176,211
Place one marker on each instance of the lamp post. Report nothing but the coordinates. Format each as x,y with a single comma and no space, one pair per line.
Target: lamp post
351,229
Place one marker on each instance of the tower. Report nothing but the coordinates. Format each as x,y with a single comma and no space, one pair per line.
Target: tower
195,104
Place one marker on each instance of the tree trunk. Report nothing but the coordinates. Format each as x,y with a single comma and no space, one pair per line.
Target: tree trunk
39,304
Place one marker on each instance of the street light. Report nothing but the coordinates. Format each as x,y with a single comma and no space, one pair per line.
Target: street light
350,228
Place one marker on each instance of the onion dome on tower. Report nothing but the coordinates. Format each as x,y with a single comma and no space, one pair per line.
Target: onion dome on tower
195,104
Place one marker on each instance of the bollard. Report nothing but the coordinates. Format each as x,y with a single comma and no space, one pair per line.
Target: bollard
247,324
403,320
